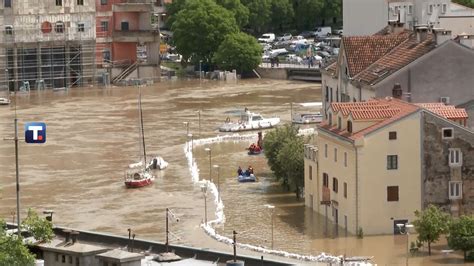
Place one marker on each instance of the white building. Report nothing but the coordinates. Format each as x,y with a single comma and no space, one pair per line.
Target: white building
363,17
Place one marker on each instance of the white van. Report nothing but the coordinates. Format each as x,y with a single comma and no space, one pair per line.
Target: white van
322,32
267,38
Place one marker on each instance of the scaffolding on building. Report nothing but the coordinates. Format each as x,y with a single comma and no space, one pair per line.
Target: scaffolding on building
64,58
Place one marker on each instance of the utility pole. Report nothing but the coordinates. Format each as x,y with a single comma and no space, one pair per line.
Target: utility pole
167,231
17,175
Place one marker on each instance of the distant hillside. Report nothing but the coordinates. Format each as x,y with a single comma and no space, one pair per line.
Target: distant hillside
468,3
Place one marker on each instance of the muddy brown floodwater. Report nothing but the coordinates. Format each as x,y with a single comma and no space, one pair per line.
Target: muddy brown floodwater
92,135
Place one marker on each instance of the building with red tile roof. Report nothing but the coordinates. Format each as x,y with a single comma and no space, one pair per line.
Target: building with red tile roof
387,158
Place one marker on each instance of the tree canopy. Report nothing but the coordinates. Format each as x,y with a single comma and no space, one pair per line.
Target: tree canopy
430,224
284,150
200,27
241,12
468,3
238,51
12,249
461,234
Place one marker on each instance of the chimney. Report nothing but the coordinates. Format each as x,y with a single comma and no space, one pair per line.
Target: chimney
467,40
396,26
67,235
441,35
74,235
397,91
421,33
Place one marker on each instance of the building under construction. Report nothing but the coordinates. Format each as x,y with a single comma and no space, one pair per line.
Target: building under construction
57,43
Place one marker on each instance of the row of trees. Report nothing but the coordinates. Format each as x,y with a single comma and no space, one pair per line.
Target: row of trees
12,249
259,16
284,150
216,32
468,3
432,223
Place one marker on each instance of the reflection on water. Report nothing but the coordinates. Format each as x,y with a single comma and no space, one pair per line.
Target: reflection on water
93,136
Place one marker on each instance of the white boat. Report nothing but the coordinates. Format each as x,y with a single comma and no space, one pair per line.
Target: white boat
4,101
307,118
249,121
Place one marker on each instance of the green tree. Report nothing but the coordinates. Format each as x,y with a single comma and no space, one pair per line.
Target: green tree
282,15
461,234
259,17
332,11
468,3
430,224
200,27
241,12
173,8
40,228
12,249
238,51
285,140
291,157
306,13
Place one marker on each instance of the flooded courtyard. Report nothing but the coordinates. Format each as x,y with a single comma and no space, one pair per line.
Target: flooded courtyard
92,136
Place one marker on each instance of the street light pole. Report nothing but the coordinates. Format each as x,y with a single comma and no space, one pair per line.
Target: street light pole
204,191
210,162
407,232
218,182
187,127
200,71
190,136
17,175
272,210
199,121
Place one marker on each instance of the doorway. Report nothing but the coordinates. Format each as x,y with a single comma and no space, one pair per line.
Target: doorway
124,26
396,230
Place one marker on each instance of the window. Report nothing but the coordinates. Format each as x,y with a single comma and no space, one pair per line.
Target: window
455,157
392,193
455,189
59,2
334,185
327,94
80,2
103,2
330,119
77,261
325,180
444,7
396,10
124,26
106,55
345,190
59,27
70,259
335,154
430,9
9,30
339,123
349,126
57,256
63,260
448,133
325,150
7,3
410,9
392,162
310,174
345,159
80,27
331,99
392,135
104,25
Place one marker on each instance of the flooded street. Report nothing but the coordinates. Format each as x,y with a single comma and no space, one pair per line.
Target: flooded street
92,136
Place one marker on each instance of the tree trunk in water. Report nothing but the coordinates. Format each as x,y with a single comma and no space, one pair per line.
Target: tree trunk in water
297,192
465,255
429,248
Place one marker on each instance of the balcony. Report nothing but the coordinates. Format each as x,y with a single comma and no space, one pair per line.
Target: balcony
326,200
136,36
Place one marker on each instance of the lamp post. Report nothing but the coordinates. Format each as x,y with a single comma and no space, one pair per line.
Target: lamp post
406,231
190,136
200,71
204,192
186,124
218,182
210,162
272,210
199,121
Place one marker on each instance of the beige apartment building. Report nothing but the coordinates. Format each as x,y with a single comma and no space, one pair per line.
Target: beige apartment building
366,169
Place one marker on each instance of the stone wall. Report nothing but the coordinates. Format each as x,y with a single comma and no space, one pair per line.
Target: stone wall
438,173
272,73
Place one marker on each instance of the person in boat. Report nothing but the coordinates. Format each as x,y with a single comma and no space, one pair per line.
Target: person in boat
250,170
252,147
239,171
260,140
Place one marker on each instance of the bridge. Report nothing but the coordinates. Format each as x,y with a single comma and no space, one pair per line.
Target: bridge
291,71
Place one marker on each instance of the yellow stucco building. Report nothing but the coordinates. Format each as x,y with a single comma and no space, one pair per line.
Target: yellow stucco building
365,171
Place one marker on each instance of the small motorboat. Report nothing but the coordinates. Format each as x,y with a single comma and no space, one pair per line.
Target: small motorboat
247,178
308,118
155,162
137,179
249,121
4,101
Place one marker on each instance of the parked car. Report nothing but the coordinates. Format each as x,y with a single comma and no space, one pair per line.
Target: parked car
277,52
338,32
308,34
285,37
322,32
292,58
267,38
